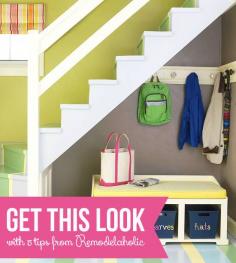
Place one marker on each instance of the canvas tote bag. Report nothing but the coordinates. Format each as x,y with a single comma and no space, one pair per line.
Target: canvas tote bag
117,164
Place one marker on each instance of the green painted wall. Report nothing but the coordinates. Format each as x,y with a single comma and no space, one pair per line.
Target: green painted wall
73,87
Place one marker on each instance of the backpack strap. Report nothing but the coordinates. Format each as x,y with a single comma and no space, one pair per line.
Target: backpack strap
153,77
157,78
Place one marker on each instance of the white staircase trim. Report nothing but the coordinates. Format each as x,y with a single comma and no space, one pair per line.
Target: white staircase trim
66,21
132,71
92,42
13,68
38,43
18,68
33,167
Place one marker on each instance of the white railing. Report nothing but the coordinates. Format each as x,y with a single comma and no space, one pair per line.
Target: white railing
33,116
92,42
40,42
65,22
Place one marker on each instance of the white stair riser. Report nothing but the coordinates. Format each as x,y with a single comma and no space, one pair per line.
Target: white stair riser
142,72
155,46
179,21
100,93
219,5
70,116
124,69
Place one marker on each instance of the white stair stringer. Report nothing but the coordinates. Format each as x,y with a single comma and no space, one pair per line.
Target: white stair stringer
76,123
132,71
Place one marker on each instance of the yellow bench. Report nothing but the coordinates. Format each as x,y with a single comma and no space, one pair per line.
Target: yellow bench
169,186
181,190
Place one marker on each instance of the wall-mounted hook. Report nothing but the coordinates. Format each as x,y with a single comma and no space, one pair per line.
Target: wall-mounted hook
173,75
212,75
229,72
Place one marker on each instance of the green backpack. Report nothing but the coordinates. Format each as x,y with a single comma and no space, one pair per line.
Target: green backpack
154,103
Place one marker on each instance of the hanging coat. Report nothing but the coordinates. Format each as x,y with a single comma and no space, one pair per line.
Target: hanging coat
193,114
213,136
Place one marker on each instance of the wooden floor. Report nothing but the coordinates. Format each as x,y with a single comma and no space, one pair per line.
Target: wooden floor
177,253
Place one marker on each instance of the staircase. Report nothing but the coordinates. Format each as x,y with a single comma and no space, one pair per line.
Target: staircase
178,29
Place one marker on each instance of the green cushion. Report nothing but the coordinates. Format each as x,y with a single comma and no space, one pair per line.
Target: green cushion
4,180
15,157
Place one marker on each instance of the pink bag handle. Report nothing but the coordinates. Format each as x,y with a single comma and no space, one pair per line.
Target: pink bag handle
117,147
110,137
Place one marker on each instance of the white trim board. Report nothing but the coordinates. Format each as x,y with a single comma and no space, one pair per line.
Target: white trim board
178,75
18,68
13,68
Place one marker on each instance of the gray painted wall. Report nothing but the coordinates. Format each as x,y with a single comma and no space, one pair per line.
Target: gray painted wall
156,147
229,36
229,55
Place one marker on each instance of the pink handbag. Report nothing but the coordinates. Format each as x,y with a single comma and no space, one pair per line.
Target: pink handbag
117,164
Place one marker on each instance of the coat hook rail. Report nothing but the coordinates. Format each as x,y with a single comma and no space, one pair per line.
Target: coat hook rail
177,75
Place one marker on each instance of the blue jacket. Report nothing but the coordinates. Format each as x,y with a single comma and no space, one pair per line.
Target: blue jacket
193,114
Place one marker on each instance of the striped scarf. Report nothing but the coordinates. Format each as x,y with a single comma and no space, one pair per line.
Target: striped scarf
19,18
227,107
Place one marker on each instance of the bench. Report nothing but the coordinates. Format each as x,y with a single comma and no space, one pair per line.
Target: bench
181,190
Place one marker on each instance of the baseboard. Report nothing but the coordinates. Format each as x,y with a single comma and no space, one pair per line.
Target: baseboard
232,226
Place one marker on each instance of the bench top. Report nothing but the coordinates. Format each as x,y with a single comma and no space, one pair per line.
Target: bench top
171,186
